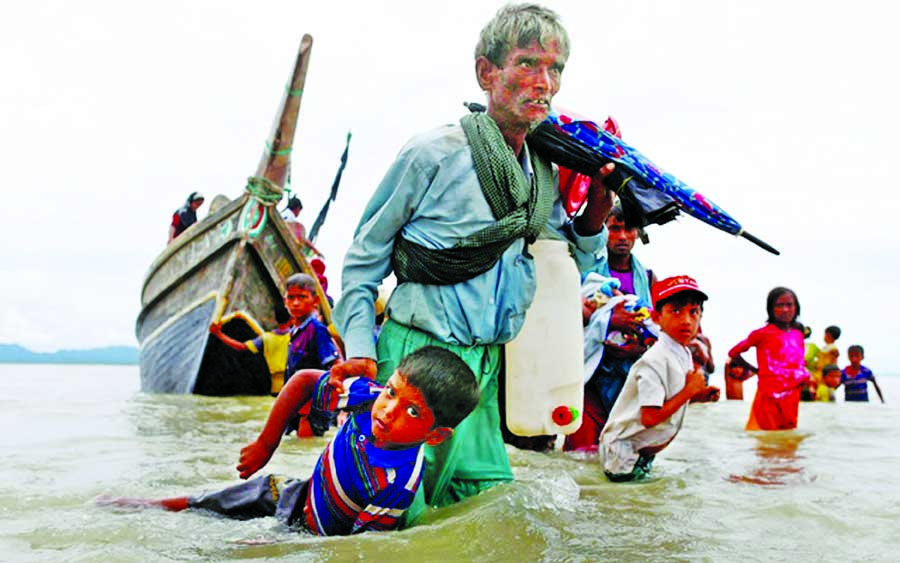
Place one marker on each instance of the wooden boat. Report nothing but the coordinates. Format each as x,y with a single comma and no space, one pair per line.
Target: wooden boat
231,266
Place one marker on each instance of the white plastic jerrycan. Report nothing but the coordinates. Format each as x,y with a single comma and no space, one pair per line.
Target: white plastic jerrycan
544,363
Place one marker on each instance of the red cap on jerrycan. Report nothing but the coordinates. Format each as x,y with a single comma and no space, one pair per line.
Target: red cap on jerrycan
563,415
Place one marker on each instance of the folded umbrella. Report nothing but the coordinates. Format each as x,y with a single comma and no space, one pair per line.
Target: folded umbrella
641,205
653,195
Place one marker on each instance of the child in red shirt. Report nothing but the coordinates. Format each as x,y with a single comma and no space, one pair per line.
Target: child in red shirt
781,367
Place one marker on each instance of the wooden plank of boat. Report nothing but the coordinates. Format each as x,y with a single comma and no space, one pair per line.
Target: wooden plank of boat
231,266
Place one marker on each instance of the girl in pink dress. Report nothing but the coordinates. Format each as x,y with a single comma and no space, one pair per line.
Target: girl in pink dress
781,367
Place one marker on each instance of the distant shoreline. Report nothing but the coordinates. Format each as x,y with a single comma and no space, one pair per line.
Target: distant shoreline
109,355
64,363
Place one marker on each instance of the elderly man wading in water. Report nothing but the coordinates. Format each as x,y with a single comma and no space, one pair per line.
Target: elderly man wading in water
452,219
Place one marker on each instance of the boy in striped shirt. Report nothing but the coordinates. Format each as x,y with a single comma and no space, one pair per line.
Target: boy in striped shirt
368,475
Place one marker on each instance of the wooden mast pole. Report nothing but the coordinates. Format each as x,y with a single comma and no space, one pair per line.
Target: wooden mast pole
275,163
276,159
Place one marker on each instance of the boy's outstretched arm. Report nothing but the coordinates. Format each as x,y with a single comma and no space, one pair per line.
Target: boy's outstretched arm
297,391
216,330
877,390
694,386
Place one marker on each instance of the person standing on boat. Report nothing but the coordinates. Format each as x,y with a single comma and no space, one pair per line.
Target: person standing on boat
185,216
291,216
452,219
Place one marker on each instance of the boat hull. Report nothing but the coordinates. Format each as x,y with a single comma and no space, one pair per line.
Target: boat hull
219,269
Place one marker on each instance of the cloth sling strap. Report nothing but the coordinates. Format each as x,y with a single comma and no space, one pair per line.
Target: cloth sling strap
521,210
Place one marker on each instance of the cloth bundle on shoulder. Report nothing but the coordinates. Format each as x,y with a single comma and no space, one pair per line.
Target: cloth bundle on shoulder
521,208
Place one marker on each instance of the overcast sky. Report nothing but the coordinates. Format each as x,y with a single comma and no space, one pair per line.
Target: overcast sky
783,113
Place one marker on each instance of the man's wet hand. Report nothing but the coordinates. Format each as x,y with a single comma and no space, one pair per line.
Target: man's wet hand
623,319
599,202
354,367
599,188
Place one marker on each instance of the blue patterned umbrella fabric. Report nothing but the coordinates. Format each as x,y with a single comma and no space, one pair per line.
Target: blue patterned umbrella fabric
584,146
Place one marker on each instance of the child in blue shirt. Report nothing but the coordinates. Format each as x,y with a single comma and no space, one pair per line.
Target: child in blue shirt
301,341
856,377
311,345
368,475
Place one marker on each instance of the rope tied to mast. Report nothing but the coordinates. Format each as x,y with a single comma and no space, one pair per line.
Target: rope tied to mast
278,152
293,92
263,190
264,193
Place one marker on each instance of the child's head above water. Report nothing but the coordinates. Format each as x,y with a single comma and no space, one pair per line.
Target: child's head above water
678,307
431,392
831,375
735,370
855,354
783,307
832,333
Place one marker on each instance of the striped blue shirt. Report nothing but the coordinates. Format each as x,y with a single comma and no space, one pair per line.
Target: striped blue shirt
357,487
856,387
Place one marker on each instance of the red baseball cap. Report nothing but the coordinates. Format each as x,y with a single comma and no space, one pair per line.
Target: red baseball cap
668,287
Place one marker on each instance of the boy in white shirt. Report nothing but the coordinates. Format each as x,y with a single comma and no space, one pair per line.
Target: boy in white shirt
650,409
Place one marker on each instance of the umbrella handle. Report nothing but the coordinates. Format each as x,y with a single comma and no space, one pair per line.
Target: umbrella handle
760,243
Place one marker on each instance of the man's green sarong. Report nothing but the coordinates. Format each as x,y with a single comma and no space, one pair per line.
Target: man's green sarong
474,459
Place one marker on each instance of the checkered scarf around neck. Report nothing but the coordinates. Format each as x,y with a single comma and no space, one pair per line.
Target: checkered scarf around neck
522,209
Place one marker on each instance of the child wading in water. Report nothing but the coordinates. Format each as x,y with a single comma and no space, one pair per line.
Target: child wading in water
828,355
368,475
781,367
831,379
856,377
651,407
